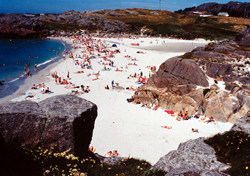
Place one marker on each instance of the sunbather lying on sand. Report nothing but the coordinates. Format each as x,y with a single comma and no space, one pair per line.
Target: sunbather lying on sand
144,104
96,78
155,107
149,106
74,92
115,153
70,86
137,101
168,127
211,119
78,72
202,118
87,90
195,130
92,149
179,117
141,52
130,99
108,154
46,90
34,86
118,70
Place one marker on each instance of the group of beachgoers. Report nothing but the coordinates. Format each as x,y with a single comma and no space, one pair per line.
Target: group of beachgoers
107,154
180,116
41,87
144,104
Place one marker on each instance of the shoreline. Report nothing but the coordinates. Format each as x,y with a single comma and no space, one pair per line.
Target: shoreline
18,87
133,130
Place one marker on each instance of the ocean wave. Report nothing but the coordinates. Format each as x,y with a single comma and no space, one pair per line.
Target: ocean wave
13,80
43,63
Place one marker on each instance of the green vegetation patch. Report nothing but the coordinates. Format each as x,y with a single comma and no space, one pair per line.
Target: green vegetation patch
16,161
233,147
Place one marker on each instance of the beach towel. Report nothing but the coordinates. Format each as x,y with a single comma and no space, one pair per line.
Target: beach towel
169,112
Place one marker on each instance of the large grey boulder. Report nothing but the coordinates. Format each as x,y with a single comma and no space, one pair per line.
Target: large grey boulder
221,106
193,156
243,124
60,123
178,71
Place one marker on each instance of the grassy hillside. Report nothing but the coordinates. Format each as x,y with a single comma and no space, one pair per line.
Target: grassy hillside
183,26
167,23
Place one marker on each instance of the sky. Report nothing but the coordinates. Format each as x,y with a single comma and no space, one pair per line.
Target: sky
60,6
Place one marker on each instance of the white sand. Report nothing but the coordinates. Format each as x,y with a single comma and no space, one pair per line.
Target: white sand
131,129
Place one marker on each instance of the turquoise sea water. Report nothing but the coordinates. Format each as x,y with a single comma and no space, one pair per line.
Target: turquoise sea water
14,53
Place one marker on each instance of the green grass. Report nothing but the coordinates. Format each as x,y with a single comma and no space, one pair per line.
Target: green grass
233,147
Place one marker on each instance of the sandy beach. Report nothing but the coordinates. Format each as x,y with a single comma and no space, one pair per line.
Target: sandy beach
133,130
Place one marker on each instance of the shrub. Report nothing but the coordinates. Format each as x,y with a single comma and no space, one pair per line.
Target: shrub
233,147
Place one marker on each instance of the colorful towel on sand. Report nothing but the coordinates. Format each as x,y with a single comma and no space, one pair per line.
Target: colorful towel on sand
169,111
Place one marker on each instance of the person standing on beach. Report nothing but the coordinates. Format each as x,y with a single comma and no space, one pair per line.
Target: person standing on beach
35,67
25,69
59,78
112,83
28,73
68,75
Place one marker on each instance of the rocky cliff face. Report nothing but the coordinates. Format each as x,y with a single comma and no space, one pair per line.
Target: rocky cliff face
87,18
233,8
20,26
181,83
59,123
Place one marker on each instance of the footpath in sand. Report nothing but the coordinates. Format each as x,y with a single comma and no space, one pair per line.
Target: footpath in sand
133,130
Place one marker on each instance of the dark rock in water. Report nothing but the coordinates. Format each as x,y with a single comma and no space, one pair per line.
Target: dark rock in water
192,157
1,84
58,123
243,124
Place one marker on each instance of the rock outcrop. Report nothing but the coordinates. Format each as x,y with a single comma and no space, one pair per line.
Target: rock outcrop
243,124
178,71
59,123
244,37
181,83
233,8
193,157
88,19
113,160
20,26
